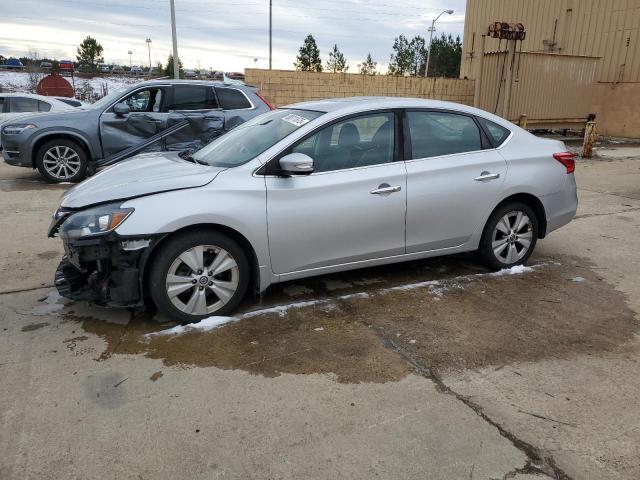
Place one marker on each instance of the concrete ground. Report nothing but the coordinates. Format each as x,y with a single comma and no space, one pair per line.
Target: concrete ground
430,369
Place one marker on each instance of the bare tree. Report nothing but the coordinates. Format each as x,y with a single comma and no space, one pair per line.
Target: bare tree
34,73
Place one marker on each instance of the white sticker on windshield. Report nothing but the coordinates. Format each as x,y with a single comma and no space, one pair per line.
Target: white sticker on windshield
294,119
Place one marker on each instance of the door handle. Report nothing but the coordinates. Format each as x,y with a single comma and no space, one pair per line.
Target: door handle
385,189
485,176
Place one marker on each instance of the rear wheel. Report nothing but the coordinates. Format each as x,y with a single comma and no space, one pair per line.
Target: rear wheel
62,160
197,275
509,236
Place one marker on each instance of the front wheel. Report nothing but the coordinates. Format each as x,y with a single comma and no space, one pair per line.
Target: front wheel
197,275
62,160
509,236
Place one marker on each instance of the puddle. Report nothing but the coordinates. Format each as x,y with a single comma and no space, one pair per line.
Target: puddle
446,322
49,305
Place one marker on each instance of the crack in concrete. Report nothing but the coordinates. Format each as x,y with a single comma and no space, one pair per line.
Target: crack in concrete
589,215
538,461
608,193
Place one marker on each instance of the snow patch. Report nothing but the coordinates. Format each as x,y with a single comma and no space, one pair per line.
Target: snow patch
203,325
50,305
577,279
515,270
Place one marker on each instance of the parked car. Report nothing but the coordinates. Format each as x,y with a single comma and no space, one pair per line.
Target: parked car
65,66
311,189
136,70
63,146
190,74
17,105
73,102
13,64
46,66
117,69
104,68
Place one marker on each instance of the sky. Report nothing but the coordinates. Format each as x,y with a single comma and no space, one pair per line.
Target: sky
220,35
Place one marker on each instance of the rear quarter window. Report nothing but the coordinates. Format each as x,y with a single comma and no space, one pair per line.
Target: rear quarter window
497,133
232,99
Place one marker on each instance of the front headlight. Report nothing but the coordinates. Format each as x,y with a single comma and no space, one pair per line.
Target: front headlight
95,221
17,128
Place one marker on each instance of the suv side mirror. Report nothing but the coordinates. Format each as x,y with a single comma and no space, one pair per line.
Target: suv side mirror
296,164
121,109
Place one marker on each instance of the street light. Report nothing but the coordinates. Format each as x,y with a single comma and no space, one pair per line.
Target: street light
148,40
130,53
431,30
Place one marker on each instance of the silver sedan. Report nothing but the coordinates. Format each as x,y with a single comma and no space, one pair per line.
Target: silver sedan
310,189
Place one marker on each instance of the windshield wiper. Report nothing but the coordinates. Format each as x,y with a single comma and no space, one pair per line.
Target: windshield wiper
190,158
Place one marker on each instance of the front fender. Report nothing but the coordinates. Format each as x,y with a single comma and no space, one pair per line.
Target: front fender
42,135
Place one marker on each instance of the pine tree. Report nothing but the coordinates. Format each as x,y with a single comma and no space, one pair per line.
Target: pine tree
89,53
308,59
368,67
337,62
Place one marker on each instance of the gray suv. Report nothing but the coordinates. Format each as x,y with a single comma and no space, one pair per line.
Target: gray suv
153,115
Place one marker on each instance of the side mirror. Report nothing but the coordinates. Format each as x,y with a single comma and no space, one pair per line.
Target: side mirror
296,164
121,109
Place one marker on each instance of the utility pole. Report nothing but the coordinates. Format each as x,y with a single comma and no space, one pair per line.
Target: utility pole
270,30
130,53
432,29
148,40
176,60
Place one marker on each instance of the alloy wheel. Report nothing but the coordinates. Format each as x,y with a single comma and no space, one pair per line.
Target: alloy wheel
512,237
61,162
202,280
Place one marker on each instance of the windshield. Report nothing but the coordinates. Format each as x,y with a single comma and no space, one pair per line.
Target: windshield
253,137
106,100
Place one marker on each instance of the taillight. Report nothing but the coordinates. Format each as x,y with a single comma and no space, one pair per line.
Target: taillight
567,159
265,101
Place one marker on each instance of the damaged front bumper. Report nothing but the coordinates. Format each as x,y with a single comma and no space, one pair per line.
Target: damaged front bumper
106,270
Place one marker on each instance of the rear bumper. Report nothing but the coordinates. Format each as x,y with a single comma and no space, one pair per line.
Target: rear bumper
561,207
106,270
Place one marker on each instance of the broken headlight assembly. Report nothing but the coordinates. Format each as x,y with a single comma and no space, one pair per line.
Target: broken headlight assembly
17,128
94,221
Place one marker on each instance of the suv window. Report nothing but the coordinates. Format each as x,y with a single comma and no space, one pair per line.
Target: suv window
43,106
441,133
232,99
23,104
497,133
148,100
1,104
192,97
356,142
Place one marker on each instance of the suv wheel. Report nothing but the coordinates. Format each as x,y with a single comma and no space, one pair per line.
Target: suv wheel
62,160
197,275
509,236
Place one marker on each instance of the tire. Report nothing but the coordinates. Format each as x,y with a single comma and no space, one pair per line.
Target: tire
178,290
61,160
505,245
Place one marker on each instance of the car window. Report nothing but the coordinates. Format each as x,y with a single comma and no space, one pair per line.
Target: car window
148,100
192,97
497,133
23,104
232,99
43,106
1,104
441,133
252,138
357,142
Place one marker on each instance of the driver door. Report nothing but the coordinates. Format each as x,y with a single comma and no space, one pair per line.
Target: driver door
148,116
351,208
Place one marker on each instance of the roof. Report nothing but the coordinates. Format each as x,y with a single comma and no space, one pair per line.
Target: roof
164,81
348,105
356,103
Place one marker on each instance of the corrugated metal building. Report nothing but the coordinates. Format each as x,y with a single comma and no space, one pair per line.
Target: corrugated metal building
606,33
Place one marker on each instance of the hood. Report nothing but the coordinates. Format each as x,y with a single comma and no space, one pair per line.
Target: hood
51,119
141,175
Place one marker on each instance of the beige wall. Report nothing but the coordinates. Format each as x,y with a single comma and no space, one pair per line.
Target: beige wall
283,87
617,107
595,28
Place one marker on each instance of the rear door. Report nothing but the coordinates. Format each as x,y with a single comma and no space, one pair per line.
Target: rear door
148,116
351,208
453,178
